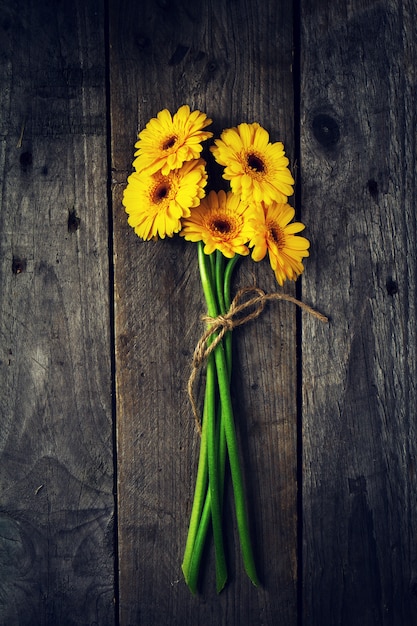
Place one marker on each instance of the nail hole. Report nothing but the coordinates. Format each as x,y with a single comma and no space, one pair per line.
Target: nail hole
373,187
18,265
25,160
391,286
212,66
73,221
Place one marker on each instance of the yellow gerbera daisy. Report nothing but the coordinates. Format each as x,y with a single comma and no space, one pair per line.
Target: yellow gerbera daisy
273,233
156,202
257,169
167,142
221,222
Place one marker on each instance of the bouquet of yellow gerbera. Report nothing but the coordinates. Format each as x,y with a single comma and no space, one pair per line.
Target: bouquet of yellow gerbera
166,195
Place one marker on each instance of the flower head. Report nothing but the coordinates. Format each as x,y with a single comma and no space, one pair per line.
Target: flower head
273,233
156,202
169,141
257,169
221,222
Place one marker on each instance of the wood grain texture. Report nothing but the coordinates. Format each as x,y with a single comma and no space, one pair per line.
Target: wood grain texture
232,60
358,121
56,470
358,196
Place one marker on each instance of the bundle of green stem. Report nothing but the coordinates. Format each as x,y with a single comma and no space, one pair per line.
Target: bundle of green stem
218,440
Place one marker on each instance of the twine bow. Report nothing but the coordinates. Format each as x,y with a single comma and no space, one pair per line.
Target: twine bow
220,325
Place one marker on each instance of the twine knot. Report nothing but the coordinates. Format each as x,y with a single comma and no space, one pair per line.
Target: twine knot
220,325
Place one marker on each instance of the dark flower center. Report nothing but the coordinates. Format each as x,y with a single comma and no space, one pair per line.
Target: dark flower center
276,234
161,192
255,163
222,226
169,143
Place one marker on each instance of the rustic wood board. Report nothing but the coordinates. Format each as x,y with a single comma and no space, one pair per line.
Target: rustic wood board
56,458
233,61
358,168
357,85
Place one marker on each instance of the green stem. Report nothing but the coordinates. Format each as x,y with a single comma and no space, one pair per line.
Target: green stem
201,509
219,281
223,280
207,274
228,273
217,440
198,546
217,453
236,472
216,493
213,496
224,370
216,478
199,495
225,300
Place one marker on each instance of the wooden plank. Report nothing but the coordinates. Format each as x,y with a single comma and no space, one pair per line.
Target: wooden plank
358,121
56,459
233,61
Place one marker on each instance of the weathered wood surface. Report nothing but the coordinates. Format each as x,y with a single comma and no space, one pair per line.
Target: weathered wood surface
350,558
56,458
233,61
358,132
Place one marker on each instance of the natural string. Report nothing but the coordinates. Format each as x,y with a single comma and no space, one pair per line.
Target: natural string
230,320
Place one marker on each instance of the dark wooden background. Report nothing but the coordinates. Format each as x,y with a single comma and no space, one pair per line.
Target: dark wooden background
98,448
